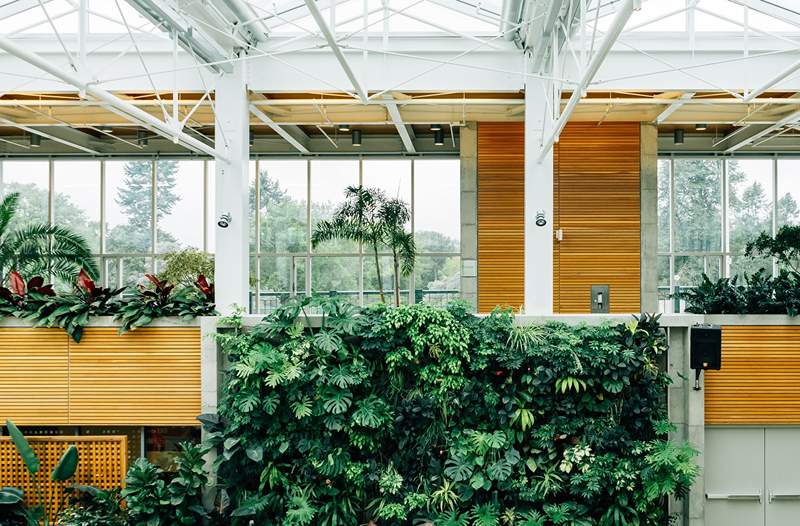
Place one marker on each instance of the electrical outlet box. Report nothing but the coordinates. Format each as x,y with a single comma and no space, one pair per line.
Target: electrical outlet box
600,299
705,347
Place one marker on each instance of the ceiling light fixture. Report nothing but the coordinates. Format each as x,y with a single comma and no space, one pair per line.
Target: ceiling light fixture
701,126
438,138
141,138
35,140
356,137
436,127
344,127
678,136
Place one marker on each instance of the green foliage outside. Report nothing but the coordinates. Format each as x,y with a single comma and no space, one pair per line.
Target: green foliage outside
697,223
758,292
183,267
418,413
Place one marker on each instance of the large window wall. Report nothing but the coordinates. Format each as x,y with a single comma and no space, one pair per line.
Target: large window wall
294,195
708,209
133,212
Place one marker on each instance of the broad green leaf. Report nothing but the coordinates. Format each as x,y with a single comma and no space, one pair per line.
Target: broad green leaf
23,448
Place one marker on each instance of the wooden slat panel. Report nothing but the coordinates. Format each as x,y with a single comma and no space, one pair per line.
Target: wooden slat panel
150,376
501,232
597,193
759,382
33,376
102,462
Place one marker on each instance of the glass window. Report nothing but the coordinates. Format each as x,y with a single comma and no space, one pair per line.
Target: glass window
283,198
335,274
329,179
128,207
438,279
391,176
179,205
31,179
76,199
788,192
749,201
437,205
698,205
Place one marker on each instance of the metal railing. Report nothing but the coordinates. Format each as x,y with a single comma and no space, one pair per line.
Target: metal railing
269,301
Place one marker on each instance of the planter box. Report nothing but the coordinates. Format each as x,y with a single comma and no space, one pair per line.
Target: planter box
150,376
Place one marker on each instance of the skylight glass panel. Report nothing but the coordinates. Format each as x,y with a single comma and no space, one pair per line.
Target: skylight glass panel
34,20
654,16
104,17
722,10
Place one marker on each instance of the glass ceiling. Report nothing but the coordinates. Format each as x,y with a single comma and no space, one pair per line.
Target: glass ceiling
480,17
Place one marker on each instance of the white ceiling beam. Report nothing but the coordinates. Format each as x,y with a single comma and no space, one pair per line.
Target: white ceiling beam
538,32
772,9
133,113
777,79
397,119
624,12
792,118
263,117
36,131
675,106
337,51
245,16
168,16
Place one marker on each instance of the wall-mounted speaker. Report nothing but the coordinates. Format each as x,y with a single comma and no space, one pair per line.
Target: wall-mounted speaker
705,350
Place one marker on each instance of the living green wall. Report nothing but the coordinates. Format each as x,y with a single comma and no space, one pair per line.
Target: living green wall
426,415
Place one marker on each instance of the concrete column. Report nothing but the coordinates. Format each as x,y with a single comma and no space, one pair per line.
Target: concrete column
469,213
538,199
232,139
649,217
687,412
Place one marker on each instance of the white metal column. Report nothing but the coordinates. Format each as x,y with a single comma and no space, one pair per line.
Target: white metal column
232,260
538,199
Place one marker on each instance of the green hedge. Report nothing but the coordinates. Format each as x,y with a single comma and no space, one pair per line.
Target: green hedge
419,415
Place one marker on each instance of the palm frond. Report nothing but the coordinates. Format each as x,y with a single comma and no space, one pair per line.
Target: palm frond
406,251
8,208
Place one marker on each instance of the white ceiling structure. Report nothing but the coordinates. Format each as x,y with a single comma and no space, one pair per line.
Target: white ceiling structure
87,74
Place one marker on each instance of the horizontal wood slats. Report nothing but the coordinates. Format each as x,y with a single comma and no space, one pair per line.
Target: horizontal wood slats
597,192
597,205
150,376
147,377
759,382
102,463
34,373
501,231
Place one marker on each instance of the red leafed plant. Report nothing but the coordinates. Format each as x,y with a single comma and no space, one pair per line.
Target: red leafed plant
205,287
162,290
90,293
18,289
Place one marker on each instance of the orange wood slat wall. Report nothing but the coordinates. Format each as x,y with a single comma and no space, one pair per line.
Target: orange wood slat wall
501,232
759,382
34,374
150,376
597,205
597,196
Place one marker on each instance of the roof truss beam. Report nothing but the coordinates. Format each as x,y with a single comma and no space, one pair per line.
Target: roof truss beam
675,106
790,119
316,14
287,136
397,119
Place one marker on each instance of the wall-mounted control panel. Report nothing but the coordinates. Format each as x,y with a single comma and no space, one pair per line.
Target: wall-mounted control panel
600,299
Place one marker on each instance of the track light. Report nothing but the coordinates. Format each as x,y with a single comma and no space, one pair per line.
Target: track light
700,126
677,136
356,137
141,138
438,137
35,140
436,127
344,127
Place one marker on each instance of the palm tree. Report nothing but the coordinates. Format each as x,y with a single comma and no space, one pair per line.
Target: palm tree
356,220
41,249
393,215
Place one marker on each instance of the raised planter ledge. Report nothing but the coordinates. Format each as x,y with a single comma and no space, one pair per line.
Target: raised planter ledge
108,321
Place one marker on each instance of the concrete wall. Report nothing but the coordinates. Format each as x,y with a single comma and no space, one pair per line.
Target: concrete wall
649,217
469,213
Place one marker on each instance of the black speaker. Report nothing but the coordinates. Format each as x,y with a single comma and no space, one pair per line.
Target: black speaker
706,347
